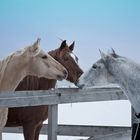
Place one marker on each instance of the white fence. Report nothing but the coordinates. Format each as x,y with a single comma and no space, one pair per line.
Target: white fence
67,95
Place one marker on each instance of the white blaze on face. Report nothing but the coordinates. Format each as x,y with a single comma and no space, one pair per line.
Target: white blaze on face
74,57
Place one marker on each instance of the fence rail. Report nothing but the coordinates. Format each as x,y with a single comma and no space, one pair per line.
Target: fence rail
77,130
62,96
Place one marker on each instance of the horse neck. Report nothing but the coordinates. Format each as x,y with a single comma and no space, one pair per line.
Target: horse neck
127,76
45,84
9,78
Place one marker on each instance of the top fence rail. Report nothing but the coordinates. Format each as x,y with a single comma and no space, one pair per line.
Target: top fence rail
60,96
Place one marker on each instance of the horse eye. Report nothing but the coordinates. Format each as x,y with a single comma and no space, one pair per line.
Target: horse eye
44,57
94,66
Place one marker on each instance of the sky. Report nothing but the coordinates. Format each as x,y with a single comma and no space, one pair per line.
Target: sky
93,24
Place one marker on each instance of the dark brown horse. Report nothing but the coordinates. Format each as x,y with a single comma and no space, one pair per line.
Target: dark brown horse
31,118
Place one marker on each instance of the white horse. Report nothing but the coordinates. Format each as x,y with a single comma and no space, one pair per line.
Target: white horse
112,68
29,61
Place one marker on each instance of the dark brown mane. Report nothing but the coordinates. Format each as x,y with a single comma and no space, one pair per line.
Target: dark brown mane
31,118
54,53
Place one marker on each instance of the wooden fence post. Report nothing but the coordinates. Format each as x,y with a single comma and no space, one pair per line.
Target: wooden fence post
134,123
52,122
1,130
0,135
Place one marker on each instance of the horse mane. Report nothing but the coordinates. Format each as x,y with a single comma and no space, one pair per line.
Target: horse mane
3,65
5,61
53,53
128,61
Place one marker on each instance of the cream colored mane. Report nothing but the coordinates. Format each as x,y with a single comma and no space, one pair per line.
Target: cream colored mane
4,63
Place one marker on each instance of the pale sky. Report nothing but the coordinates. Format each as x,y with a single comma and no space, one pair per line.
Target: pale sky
93,24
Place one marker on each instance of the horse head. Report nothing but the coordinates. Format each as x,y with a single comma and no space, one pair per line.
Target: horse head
64,54
36,62
101,71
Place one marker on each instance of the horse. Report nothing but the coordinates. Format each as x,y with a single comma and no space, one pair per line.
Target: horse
112,68
29,61
31,118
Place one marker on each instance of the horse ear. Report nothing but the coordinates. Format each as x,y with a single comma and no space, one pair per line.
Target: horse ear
113,53
63,45
35,46
102,54
71,47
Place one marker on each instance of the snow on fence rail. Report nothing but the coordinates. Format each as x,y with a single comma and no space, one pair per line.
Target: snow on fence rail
61,96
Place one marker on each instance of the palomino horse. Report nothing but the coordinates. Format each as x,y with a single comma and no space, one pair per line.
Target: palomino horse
112,68
29,61
31,118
